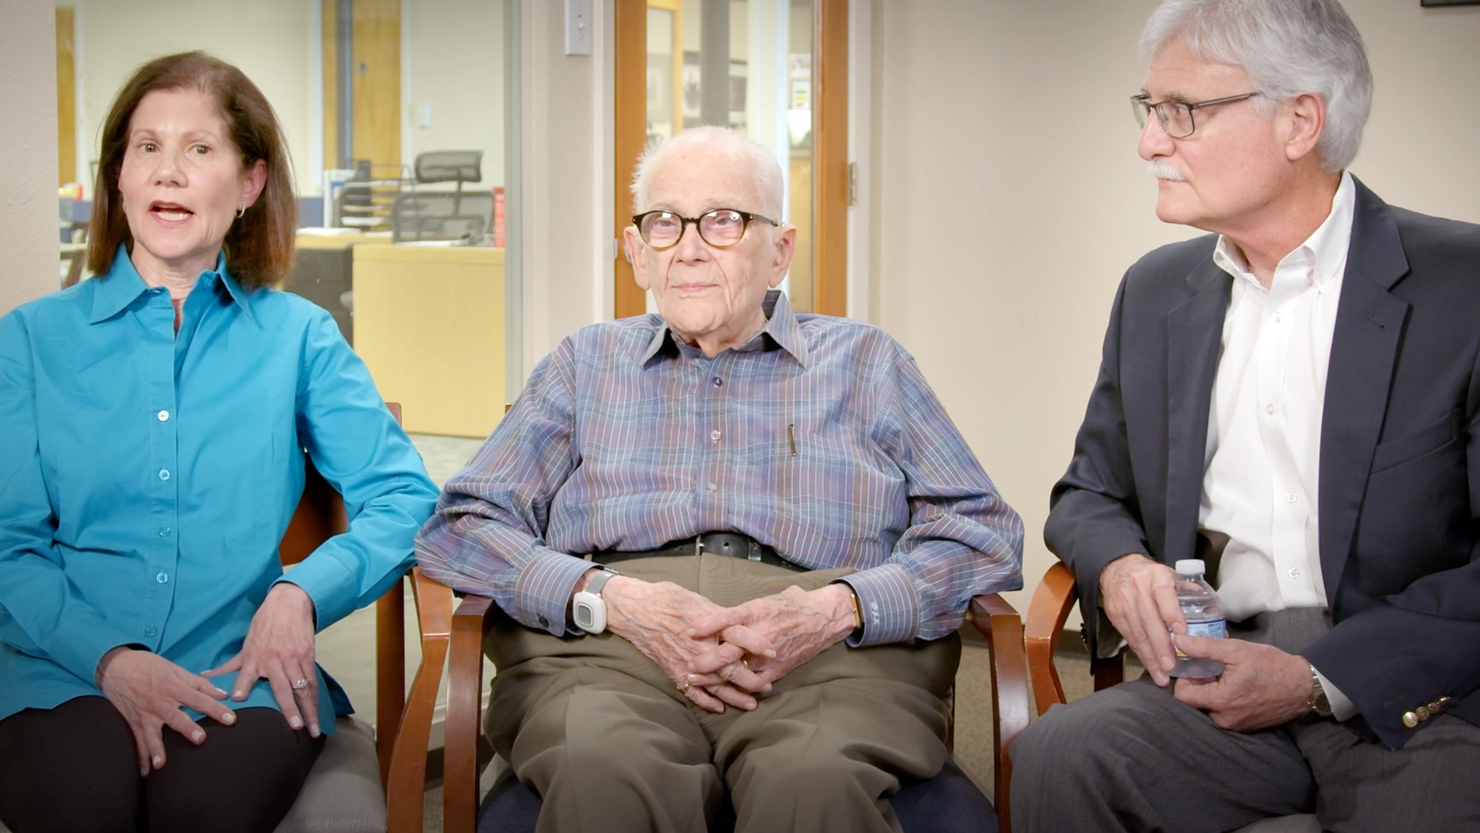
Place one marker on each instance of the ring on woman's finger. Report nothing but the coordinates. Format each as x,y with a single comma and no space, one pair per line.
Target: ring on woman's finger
684,689
299,685
745,661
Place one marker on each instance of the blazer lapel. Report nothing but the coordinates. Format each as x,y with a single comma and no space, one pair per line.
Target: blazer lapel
1364,348
1194,337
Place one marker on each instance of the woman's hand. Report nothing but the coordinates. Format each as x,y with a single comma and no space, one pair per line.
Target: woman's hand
149,690
280,648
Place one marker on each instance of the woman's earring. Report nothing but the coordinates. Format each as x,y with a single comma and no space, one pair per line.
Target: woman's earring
241,211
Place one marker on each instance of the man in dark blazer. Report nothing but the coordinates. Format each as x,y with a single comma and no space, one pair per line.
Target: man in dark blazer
1293,398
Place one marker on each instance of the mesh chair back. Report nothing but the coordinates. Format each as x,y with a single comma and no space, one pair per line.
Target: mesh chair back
441,215
450,166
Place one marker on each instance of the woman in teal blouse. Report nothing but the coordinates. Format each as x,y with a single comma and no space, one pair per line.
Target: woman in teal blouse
151,427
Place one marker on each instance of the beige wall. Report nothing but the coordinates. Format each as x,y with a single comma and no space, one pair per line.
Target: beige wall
565,247
1010,198
457,67
271,44
28,170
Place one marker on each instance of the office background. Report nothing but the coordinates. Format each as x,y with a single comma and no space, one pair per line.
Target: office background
1000,195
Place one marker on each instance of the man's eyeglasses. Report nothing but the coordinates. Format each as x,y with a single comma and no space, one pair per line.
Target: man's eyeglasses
1176,116
721,228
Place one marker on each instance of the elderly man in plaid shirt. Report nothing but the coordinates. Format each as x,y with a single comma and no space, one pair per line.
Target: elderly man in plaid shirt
732,544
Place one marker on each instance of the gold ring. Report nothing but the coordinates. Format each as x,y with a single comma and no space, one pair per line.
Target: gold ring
684,689
745,661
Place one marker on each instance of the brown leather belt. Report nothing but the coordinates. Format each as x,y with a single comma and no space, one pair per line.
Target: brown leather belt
732,544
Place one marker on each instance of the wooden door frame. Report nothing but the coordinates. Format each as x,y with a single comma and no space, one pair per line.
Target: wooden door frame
629,135
66,31
830,157
829,143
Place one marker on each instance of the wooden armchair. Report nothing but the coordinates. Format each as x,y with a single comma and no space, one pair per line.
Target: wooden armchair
1049,609
466,753
364,780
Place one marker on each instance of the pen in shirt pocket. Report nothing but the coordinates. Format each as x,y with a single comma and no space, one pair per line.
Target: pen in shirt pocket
791,438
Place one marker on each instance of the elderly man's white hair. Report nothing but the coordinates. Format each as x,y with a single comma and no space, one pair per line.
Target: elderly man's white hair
1288,48
756,158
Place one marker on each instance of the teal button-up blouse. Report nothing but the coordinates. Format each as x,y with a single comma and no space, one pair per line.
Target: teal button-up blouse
146,478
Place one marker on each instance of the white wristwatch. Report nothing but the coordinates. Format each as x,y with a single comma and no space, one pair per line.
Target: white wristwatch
587,607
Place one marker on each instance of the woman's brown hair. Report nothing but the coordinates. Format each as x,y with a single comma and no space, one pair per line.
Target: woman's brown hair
259,246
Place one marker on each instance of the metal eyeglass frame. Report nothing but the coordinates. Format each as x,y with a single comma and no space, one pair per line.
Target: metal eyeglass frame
1141,105
746,218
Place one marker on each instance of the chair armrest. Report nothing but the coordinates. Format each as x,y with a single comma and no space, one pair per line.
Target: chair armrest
1001,626
464,724
405,788
1047,613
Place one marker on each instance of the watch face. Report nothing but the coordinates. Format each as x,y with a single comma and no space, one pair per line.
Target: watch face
584,616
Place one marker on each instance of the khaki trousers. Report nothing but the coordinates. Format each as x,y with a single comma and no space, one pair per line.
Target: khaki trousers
610,745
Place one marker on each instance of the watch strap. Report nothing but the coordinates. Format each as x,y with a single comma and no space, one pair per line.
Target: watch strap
599,580
1318,702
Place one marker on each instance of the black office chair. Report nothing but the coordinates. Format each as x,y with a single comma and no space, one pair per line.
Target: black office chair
443,215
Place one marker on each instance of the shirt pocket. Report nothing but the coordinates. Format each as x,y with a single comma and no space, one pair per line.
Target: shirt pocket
830,480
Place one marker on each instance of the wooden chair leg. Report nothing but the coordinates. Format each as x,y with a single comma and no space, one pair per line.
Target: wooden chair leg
1000,624
406,788
464,718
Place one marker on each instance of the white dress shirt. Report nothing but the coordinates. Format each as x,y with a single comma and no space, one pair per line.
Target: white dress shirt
1262,475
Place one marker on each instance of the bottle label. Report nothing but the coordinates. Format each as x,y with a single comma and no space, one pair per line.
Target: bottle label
1214,628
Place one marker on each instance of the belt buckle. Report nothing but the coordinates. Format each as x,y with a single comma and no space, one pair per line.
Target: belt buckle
698,545
755,550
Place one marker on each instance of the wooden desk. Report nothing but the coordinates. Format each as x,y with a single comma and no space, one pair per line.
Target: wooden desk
429,322
337,238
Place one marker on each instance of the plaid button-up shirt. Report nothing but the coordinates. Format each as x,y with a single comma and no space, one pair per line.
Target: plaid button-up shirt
819,438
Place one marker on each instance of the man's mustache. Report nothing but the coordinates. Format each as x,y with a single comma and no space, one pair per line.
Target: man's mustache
1162,169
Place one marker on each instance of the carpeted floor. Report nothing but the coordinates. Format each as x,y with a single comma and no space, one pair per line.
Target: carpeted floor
973,719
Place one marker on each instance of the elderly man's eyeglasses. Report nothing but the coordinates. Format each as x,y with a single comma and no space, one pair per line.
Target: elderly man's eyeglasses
721,228
1176,116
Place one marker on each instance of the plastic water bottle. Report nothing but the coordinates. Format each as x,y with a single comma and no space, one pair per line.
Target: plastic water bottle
1204,617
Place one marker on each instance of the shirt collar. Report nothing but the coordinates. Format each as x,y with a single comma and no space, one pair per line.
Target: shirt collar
122,285
1325,249
781,327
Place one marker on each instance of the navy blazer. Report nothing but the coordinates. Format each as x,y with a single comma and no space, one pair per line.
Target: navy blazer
1399,514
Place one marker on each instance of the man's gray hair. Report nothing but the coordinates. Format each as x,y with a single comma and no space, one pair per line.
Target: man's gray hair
757,160
1288,48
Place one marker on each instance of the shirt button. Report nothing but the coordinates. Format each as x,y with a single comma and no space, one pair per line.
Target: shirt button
1290,498
1269,409
1279,317
164,416
164,474
162,578
714,436
712,486
1294,572
718,381
164,532
149,630
544,623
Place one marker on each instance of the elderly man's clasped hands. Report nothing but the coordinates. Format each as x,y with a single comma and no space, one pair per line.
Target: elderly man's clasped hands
720,656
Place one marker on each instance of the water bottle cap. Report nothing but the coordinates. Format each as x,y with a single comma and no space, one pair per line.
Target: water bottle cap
1191,567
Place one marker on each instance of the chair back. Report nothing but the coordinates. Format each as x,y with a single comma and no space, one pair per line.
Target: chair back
441,215
449,166
319,517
